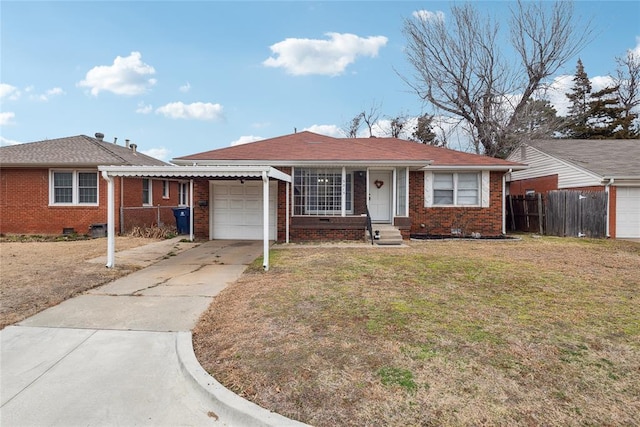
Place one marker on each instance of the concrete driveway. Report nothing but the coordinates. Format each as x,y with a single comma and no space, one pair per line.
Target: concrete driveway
121,354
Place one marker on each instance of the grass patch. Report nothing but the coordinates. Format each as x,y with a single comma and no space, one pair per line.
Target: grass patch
535,332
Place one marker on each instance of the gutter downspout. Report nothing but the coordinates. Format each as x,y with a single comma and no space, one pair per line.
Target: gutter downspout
111,239
606,190
504,201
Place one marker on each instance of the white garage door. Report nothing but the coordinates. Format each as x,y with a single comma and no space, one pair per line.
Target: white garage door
628,212
236,211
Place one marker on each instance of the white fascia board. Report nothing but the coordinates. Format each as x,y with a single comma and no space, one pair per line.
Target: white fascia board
503,168
310,163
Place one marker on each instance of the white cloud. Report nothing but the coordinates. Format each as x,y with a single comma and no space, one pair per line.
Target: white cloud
185,87
196,111
143,108
561,85
328,130
56,91
7,118
325,57
4,142
127,76
158,153
10,92
246,139
427,15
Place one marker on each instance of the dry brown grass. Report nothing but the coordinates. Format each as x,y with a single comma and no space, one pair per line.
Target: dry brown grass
40,273
537,332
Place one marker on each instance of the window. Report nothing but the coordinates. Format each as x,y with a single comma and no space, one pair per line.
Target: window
456,189
165,189
70,187
183,193
146,191
319,192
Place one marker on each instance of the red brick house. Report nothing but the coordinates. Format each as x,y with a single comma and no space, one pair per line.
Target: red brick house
54,187
612,166
406,186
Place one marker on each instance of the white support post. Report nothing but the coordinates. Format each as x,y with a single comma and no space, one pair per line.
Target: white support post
265,220
394,194
191,233
287,184
343,192
111,227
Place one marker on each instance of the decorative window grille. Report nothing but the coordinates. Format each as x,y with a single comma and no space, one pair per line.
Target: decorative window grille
319,192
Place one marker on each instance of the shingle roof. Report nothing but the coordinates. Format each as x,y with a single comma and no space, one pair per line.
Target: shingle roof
605,157
308,146
73,151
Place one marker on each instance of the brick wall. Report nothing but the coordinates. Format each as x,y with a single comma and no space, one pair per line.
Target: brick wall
543,185
201,213
24,204
440,220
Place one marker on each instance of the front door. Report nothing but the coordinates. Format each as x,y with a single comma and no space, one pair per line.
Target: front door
380,183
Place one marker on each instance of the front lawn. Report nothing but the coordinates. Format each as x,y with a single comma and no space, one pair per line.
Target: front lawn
535,332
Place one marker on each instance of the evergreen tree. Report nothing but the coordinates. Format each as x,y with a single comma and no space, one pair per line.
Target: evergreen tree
424,131
605,114
576,125
537,120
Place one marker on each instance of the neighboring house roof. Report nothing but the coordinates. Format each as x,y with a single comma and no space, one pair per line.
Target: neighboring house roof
309,148
73,151
607,158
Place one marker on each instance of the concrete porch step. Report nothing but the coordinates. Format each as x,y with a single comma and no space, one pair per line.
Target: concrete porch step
389,235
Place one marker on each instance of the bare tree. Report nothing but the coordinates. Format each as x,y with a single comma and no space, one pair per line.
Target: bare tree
352,127
627,80
397,125
460,70
371,116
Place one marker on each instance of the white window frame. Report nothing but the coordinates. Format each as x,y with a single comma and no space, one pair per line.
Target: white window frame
148,202
337,172
483,188
75,185
166,184
183,193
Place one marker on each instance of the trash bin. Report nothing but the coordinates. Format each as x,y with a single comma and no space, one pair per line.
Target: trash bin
183,224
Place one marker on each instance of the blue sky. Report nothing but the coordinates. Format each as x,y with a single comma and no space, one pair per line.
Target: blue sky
178,78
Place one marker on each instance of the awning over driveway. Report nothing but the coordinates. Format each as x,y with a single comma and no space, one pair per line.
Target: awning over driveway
190,172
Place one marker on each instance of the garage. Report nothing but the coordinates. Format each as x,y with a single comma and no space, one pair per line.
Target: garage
236,210
628,212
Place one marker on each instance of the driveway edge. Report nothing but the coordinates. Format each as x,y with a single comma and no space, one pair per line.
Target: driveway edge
233,409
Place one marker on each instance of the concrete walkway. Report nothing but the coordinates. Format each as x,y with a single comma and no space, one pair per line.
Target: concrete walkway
121,354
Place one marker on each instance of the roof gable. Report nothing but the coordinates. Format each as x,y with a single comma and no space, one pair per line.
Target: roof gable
73,151
307,147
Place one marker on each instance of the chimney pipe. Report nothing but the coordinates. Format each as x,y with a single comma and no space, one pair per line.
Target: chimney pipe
126,143
99,136
133,147
115,140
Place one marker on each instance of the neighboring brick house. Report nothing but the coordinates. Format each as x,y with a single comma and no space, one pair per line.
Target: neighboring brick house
54,187
612,166
412,187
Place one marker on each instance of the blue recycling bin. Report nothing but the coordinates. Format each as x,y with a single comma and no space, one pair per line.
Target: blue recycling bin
183,224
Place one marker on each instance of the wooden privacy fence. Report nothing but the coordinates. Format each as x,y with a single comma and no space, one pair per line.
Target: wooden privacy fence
526,213
576,213
559,213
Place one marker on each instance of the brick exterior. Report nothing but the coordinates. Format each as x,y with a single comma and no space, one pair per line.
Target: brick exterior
440,220
543,185
25,209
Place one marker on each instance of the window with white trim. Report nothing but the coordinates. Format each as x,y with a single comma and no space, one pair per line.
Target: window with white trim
456,189
165,189
183,193
146,191
73,187
319,192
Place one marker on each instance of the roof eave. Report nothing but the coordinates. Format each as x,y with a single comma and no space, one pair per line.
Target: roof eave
293,163
505,168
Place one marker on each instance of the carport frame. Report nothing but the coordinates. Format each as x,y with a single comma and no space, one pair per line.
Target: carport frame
182,172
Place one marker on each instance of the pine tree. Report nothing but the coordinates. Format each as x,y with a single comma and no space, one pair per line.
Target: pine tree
605,114
577,126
